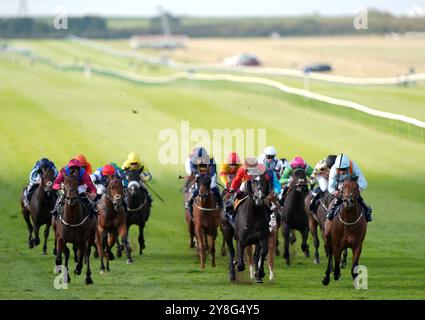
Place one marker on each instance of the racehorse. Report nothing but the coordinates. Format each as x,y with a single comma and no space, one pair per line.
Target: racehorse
206,218
42,202
138,207
293,215
348,230
111,222
74,225
252,225
318,220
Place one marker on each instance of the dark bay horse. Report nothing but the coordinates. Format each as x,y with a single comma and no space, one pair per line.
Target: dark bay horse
138,207
252,226
74,225
348,230
42,202
112,221
207,216
293,215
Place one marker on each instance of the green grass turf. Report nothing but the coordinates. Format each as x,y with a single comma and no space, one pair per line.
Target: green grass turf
48,112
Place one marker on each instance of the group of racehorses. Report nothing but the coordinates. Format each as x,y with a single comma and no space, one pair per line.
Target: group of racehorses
259,216
75,224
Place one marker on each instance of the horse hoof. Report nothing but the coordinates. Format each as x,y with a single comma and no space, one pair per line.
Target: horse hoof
119,254
30,244
343,265
44,253
325,281
337,276
77,272
111,256
102,271
89,281
241,268
36,242
223,253
316,261
258,281
232,276
140,252
307,254
129,261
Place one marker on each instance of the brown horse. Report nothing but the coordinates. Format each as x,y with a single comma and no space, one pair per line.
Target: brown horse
206,218
111,222
74,225
347,230
42,202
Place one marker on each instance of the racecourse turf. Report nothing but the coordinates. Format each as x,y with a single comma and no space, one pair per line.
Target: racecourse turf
47,112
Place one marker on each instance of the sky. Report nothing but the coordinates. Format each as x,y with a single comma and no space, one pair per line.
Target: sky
208,7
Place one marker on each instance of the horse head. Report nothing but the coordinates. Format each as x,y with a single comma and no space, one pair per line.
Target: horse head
350,192
298,180
134,181
115,191
204,185
71,190
47,179
257,189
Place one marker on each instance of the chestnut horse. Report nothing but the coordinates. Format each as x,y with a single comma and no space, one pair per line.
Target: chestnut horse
74,225
348,230
206,218
42,202
111,222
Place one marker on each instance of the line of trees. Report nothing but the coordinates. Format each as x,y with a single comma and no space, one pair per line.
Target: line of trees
97,27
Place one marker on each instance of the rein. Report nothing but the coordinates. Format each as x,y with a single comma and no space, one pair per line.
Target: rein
138,208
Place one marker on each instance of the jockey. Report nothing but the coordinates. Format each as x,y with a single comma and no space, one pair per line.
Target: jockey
35,176
229,169
101,177
344,169
74,168
133,162
321,176
202,164
250,168
270,160
84,163
296,163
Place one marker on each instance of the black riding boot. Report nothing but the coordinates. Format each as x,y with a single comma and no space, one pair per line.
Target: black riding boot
90,203
331,213
29,191
281,197
229,213
314,203
189,203
58,205
366,208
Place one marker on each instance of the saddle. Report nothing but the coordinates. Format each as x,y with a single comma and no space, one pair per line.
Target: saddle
238,202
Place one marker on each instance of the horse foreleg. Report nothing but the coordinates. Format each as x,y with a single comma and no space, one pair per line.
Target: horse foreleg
326,279
200,237
356,257
337,251
59,249
36,234
141,238
312,224
124,236
250,261
81,254
211,244
285,233
223,244
344,259
27,219
88,280
272,245
228,237
99,244
66,253
75,249
46,236
304,245
262,252
240,248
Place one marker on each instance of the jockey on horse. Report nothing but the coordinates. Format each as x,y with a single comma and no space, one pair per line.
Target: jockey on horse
202,164
321,176
74,168
229,169
296,163
245,173
344,169
102,176
133,162
35,177
270,160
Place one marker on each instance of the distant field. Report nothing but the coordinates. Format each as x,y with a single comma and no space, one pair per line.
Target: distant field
362,56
